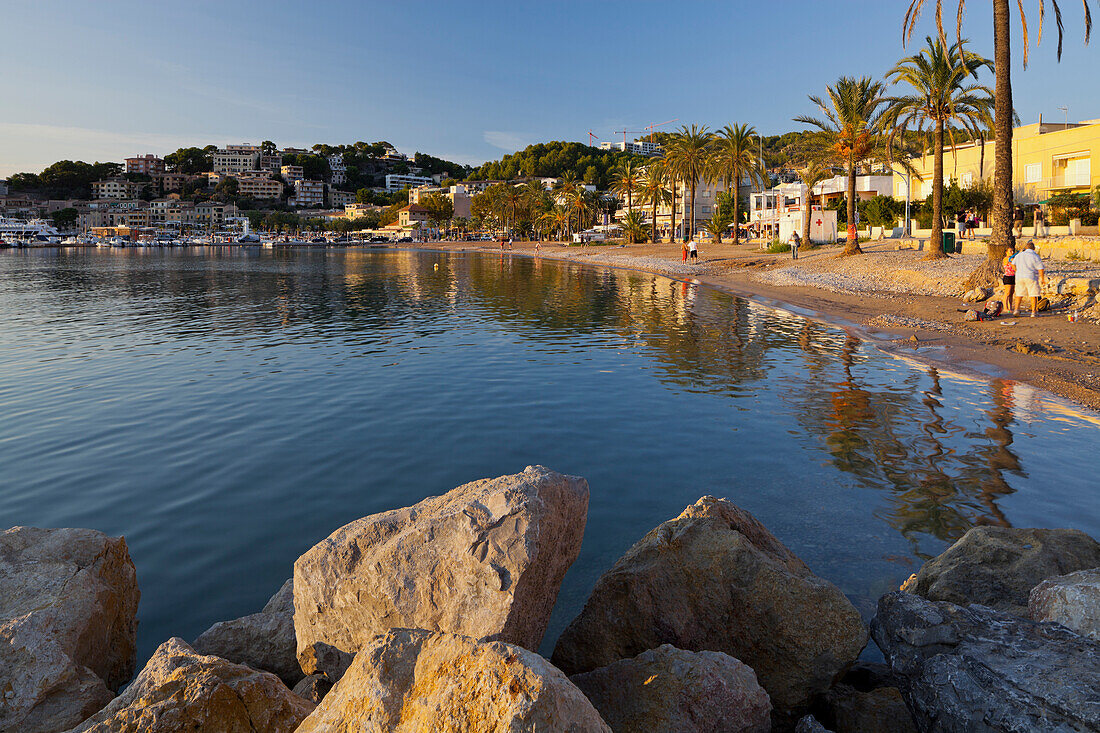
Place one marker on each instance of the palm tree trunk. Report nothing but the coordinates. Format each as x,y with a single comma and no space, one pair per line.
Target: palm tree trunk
935,248
672,220
692,228
852,245
807,206
981,158
989,270
653,223
736,190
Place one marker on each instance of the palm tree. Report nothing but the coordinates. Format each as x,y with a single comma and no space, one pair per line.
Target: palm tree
811,175
627,179
852,118
654,191
735,157
1004,115
688,156
716,226
558,219
941,98
634,226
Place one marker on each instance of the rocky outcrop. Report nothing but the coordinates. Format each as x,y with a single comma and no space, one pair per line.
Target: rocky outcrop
313,688
263,640
810,724
182,690
977,669
68,603
412,680
998,566
1071,600
484,560
715,579
669,690
880,710
320,658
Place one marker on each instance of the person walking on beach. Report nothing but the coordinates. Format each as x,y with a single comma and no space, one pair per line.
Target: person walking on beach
1030,277
683,251
1009,278
795,240
693,250
1040,221
1018,221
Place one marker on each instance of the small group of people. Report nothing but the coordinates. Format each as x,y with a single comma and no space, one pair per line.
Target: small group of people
1038,217
966,222
1024,277
689,249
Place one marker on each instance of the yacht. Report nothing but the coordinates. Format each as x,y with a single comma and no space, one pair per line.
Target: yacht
35,231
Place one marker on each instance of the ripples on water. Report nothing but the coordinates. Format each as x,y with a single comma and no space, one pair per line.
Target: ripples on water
226,409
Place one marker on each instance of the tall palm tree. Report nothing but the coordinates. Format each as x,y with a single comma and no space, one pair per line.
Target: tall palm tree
688,156
735,157
626,179
852,119
634,226
941,99
654,191
1004,116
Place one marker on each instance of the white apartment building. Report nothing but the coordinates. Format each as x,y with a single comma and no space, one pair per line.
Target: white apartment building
638,147
116,189
396,182
235,159
258,185
292,173
458,194
272,162
339,172
308,193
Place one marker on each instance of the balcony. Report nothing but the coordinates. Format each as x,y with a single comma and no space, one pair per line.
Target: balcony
1080,179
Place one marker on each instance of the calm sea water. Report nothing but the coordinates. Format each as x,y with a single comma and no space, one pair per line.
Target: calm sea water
226,409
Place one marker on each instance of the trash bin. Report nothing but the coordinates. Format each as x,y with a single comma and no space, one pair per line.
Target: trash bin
949,243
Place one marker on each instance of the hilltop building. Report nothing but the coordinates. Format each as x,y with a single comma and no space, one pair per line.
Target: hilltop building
638,147
233,160
396,182
149,165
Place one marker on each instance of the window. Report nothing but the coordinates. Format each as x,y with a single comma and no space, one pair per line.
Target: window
1033,172
968,179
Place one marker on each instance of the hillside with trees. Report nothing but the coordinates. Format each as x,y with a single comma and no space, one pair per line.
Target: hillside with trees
555,159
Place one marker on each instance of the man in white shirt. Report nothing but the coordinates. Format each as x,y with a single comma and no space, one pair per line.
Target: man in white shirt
1030,277
693,250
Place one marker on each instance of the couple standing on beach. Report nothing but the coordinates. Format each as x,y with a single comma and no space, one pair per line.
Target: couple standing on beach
1024,276
689,248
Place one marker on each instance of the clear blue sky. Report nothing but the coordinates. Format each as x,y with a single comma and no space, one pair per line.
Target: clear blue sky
467,81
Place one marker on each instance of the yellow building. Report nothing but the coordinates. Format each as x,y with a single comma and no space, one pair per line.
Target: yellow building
1047,158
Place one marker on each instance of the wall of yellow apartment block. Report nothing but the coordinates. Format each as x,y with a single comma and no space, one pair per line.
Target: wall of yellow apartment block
1045,160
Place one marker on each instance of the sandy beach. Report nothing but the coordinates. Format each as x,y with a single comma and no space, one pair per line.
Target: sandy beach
888,296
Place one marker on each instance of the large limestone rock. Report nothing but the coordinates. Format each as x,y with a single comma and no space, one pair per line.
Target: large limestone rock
414,680
68,603
976,669
669,690
998,566
715,579
1071,600
181,690
263,640
484,560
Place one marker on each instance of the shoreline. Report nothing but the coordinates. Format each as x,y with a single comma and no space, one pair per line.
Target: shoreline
1075,380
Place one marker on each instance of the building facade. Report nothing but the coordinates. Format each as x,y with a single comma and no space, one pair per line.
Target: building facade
149,165
458,194
292,173
638,147
308,193
259,186
338,171
236,159
339,199
1047,159
117,189
412,215
396,182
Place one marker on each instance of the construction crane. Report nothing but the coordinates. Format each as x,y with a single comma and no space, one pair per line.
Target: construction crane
659,124
624,132
590,136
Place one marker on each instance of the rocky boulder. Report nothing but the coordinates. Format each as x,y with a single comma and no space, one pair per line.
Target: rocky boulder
263,640
810,724
977,669
68,606
181,690
998,566
484,560
313,688
1071,600
413,680
669,690
715,579
847,709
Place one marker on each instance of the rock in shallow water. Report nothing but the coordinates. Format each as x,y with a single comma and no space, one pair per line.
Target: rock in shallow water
977,669
1071,600
263,640
179,690
416,680
669,690
715,579
998,566
484,560
68,602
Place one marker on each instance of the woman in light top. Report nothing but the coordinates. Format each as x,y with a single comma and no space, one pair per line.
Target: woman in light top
1009,278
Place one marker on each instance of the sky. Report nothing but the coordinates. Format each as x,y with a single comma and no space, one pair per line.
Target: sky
465,81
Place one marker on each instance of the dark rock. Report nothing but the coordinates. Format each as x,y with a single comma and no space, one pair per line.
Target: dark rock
320,658
977,669
998,566
879,710
313,688
810,724
1071,600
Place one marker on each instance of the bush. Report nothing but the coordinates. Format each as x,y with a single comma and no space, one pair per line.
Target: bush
776,247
